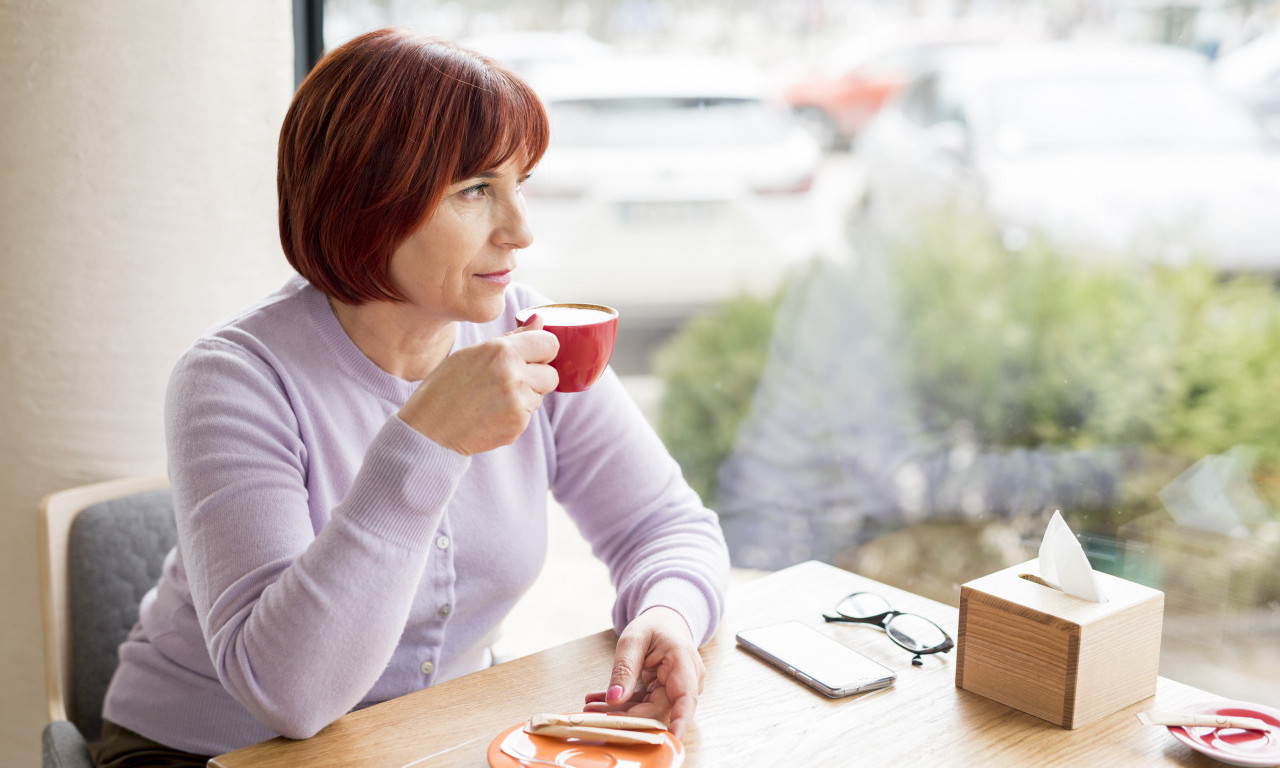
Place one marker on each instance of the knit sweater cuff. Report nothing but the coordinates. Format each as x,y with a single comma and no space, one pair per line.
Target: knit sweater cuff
685,598
403,486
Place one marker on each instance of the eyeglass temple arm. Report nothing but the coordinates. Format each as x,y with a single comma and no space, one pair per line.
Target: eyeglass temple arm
851,620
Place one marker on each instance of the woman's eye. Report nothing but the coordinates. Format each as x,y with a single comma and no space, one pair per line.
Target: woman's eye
475,191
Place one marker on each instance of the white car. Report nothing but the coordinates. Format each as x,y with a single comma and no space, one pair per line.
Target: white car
670,184
1252,73
525,50
1118,151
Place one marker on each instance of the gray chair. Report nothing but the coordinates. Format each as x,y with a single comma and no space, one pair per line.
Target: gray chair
101,548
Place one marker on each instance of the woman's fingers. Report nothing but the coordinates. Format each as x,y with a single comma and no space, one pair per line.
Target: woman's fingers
537,345
680,675
657,672
681,708
601,697
537,348
628,660
482,397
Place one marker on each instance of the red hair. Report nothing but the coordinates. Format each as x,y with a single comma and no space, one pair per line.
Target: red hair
376,132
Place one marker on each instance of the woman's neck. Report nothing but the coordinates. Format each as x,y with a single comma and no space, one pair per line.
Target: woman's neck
396,337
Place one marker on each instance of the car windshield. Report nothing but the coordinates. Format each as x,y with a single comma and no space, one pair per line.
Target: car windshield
1109,110
664,121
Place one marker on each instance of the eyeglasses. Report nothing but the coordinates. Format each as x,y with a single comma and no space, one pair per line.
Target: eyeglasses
909,630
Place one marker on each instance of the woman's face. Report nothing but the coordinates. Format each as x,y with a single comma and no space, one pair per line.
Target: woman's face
456,266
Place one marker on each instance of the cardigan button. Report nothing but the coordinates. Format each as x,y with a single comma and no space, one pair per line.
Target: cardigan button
427,668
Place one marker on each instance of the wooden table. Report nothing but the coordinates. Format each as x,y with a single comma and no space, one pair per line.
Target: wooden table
749,714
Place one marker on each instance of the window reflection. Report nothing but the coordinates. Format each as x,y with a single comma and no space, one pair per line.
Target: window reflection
1003,319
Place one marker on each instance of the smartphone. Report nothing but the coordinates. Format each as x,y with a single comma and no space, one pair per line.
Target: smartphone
816,660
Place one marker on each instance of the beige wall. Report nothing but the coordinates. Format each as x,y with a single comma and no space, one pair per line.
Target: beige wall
137,151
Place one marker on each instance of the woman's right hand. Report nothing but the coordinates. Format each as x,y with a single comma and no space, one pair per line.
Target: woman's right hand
482,397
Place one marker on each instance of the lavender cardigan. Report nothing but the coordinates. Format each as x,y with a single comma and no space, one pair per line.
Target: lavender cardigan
330,556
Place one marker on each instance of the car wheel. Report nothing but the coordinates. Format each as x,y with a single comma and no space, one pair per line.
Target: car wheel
865,207
820,125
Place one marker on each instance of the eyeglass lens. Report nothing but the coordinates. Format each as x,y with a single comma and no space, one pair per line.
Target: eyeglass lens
915,633
862,605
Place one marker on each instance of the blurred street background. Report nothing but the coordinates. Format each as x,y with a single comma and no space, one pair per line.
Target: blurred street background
665,208
899,279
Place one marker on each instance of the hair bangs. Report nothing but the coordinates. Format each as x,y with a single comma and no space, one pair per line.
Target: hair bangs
375,135
507,122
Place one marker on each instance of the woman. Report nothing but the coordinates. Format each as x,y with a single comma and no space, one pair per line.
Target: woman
360,462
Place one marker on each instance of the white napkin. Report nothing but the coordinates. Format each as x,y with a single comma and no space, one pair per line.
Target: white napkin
1063,564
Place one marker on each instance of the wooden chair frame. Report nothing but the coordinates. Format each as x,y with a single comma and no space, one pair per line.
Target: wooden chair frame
57,512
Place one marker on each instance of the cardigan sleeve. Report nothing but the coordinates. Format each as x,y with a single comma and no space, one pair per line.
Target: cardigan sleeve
284,593
628,497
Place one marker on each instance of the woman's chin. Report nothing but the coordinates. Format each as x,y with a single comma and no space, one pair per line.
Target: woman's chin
488,311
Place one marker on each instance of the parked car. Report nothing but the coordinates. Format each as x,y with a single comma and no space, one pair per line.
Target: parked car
671,183
1251,72
526,50
1123,150
837,99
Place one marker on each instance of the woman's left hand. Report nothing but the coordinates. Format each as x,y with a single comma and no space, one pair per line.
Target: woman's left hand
657,671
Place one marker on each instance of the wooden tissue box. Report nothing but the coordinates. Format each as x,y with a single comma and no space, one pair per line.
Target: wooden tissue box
1056,656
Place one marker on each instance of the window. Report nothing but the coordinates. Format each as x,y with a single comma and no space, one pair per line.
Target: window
1095,329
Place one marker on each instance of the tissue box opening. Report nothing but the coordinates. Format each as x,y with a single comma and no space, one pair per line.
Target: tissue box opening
1060,658
1034,579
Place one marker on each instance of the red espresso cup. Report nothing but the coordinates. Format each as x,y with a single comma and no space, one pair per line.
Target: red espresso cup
586,333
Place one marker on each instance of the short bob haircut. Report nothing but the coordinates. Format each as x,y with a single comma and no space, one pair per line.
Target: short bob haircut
375,134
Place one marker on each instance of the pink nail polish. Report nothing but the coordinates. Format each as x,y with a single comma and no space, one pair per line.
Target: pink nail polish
615,693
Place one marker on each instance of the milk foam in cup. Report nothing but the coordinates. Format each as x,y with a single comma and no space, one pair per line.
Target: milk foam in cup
586,333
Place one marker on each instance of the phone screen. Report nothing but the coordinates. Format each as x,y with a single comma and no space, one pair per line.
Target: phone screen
816,659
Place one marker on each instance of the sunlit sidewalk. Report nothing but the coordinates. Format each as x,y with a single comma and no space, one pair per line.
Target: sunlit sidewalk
571,598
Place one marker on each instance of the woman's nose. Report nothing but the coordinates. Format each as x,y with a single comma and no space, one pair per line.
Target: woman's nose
514,230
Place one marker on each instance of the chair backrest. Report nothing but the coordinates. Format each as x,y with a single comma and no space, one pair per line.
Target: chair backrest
101,548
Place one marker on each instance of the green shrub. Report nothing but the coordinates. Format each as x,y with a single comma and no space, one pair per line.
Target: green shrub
1031,348
709,372
1034,348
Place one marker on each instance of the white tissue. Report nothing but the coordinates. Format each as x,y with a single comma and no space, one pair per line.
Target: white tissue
1063,564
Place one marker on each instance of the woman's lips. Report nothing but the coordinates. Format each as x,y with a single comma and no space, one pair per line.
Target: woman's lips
497,278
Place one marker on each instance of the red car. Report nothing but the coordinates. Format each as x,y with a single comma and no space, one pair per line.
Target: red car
834,108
